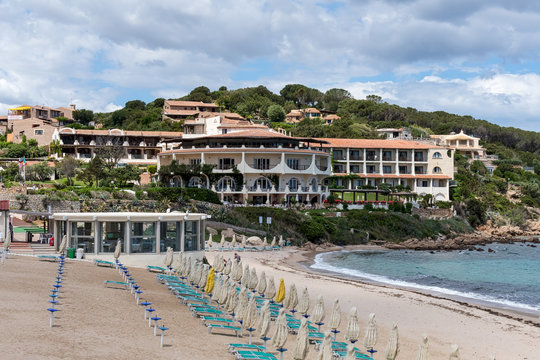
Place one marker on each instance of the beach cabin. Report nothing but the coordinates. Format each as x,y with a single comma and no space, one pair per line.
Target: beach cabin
144,236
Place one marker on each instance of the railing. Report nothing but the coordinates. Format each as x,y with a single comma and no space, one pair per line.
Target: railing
357,157
264,167
137,156
372,158
322,168
387,158
298,167
224,167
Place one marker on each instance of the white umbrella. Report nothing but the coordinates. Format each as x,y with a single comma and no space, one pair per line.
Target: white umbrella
261,286
117,249
270,291
215,264
204,276
454,354
233,241
353,329
351,352
301,345
224,293
281,242
228,267
169,257
281,332
242,303
335,318
253,280
293,298
325,350
244,239
63,245
370,337
232,300
265,242
179,267
392,348
318,312
245,276
216,291
423,353
237,276
210,241
187,266
273,243
198,274
250,317
303,306
222,242
263,323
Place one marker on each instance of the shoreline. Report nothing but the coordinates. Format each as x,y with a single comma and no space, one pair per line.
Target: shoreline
522,315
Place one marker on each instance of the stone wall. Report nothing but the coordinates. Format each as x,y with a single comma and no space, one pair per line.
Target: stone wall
434,214
35,203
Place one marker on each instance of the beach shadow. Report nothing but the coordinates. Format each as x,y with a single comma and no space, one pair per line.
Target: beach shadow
167,345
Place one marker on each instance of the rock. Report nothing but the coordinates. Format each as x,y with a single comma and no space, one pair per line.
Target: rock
254,240
212,231
228,233
491,250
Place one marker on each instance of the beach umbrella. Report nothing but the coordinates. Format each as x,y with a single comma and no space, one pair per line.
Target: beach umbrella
204,276
63,245
392,348
281,242
325,349
242,304
273,243
222,242
281,291
265,242
7,244
301,346
454,353
370,337
210,241
244,240
279,337
335,318
233,241
237,275
179,264
351,352
292,299
228,267
263,323
253,280
215,264
318,312
210,281
232,300
224,293
270,291
198,274
217,288
423,352
245,277
353,329
117,250
261,286
169,257
250,317
303,305
187,266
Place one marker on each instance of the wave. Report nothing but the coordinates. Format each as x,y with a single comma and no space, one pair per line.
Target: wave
320,264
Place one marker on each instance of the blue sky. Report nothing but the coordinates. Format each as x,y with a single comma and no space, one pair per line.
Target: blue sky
468,57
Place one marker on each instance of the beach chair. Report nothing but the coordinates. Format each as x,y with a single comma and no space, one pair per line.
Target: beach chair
234,347
234,329
215,319
103,263
341,354
206,312
314,335
155,269
194,300
115,284
254,355
47,258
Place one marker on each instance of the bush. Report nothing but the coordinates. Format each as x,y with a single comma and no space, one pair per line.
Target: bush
177,194
313,230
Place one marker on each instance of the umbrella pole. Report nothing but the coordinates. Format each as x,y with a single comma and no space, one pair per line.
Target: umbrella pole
250,332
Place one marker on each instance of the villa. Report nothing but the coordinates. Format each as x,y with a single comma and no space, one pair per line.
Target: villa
180,110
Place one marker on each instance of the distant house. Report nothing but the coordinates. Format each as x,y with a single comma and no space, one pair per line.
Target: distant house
296,116
179,109
224,123
3,124
37,122
330,118
392,133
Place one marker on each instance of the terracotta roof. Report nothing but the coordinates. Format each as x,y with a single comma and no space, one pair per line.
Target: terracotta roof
233,116
400,176
376,144
117,132
255,133
198,150
243,126
332,117
189,103
312,110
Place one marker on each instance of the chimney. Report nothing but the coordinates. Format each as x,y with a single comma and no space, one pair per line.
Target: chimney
72,106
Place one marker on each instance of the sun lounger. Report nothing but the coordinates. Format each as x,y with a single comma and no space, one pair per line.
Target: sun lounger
155,269
235,347
202,306
358,355
47,258
214,319
235,329
115,284
206,312
254,355
193,300
314,335
103,263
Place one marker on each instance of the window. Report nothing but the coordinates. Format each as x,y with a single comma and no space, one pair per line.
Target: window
195,181
387,156
371,169
293,164
387,169
418,156
355,169
437,155
82,236
355,155
293,184
111,232
194,162
371,155
38,132
403,170
190,235
263,183
423,183
314,185
225,182
403,156
224,131
143,237
225,164
338,155
419,170
437,169
170,236
339,168
261,164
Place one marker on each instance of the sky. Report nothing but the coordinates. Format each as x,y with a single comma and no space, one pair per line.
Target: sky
468,57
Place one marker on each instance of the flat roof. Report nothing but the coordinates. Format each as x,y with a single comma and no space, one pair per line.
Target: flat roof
131,216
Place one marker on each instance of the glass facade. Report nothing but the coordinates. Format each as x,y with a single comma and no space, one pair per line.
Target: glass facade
143,237
82,236
111,232
190,235
170,236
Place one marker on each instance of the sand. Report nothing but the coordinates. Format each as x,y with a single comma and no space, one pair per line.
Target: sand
100,322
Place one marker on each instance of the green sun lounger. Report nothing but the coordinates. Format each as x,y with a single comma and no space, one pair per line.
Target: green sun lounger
235,329
115,284
187,300
358,355
215,319
204,312
155,269
235,347
314,335
47,258
103,263
255,355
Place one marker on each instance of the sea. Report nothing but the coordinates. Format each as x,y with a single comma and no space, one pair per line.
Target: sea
508,277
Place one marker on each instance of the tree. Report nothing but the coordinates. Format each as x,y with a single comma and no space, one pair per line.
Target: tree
121,175
110,155
68,167
83,116
375,98
94,172
39,172
333,97
135,105
276,113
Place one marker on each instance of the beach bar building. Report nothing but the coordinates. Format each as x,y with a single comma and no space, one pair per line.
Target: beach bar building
144,236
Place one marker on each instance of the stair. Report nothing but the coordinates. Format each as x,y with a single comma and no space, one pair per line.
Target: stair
30,248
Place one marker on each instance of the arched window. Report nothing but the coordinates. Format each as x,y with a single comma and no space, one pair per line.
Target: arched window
225,182
263,183
314,185
437,169
195,181
293,184
437,155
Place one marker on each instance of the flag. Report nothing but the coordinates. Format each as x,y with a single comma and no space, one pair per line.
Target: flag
22,162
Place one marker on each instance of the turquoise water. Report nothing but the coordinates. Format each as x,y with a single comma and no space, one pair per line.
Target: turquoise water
509,277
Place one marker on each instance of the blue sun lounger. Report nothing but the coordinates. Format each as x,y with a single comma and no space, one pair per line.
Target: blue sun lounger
254,355
47,257
234,347
235,329
155,269
103,263
115,284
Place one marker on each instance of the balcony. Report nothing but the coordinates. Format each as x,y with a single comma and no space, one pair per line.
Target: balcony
264,166
387,158
298,166
224,167
372,158
356,157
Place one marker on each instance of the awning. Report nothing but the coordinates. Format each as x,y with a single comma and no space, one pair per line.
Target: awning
20,108
30,229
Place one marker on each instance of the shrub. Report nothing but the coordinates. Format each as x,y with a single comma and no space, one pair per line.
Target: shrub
313,230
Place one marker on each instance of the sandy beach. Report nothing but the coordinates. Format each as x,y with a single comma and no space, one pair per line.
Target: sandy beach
101,322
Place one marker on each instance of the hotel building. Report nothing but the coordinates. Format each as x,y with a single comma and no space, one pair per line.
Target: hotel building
423,168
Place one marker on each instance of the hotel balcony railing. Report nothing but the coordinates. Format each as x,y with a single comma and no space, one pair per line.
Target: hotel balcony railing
372,158
339,157
322,168
224,167
419,158
387,158
298,167
136,156
264,167
404,158
355,157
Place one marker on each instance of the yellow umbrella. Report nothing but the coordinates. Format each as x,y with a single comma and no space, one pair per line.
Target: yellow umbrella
281,291
210,281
